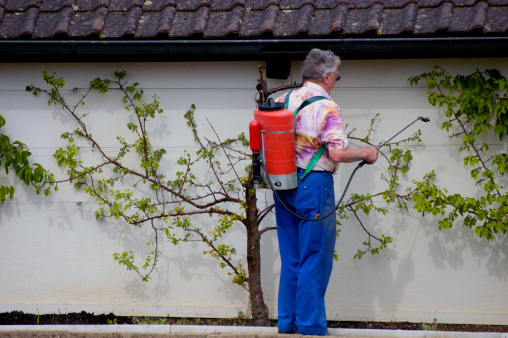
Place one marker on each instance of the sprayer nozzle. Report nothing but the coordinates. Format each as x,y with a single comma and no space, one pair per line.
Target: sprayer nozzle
424,119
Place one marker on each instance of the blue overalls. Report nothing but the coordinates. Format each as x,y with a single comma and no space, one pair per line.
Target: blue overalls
306,250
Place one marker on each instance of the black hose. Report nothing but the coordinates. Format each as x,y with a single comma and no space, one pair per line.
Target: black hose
361,164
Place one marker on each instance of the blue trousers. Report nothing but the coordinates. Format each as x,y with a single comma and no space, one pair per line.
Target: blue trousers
306,251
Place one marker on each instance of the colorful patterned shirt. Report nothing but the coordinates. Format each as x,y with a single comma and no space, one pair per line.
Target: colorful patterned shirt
318,123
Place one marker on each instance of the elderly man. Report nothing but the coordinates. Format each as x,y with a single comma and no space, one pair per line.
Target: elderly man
307,247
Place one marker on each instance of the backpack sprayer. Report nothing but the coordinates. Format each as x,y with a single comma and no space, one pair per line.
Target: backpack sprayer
272,142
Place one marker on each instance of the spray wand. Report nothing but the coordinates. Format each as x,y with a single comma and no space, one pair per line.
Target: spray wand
361,164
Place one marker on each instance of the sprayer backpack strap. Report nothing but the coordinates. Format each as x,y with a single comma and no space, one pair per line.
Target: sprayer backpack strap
322,149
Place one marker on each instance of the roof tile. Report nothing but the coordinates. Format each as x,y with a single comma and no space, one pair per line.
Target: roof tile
358,4
397,21
21,5
55,5
497,20
193,5
158,5
329,4
85,23
325,22
15,25
291,23
461,3
295,4
362,21
248,18
432,20
431,3
465,19
119,24
227,5
497,2
260,4
397,3
190,23
256,23
50,24
90,5
223,24
155,23
124,5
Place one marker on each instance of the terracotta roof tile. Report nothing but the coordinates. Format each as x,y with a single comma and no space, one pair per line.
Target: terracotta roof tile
468,18
227,5
432,20
87,23
326,21
155,23
124,5
197,19
119,24
295,4
256,23
431,3
14,25
497,20
363,4
291,23
55,5
90,5
397,3
261,4
190,23
362,21
50,24
397,21
21,5
329,4
222,24
158,5
193,5
497,2
461,3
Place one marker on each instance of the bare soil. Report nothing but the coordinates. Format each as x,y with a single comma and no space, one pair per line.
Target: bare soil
84,318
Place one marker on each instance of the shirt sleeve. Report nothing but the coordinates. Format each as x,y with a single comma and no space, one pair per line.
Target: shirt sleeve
333,131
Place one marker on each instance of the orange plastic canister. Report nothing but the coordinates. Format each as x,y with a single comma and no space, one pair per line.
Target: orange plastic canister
278,138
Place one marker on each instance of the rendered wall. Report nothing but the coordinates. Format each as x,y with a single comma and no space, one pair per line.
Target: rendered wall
57,258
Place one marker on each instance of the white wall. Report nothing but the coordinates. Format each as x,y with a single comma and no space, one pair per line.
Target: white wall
57,258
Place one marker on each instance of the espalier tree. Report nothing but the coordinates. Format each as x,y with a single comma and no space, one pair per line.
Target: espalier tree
140,193
476,107
15,156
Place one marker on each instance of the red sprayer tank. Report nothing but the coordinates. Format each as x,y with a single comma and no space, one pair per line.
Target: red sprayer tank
278,144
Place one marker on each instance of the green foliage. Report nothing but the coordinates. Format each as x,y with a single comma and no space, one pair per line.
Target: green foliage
476,106
15,156
398,161
430,327
140,193
136,190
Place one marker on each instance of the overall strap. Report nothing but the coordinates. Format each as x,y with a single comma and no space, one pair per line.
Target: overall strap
322,149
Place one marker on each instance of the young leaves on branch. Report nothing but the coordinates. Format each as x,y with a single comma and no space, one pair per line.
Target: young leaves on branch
475,105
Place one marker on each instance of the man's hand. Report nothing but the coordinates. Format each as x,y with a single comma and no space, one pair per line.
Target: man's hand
348,155
370,155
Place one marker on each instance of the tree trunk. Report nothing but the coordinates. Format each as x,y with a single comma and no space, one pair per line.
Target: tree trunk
258,307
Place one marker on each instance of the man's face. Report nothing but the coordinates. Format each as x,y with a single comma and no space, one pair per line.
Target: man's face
330,80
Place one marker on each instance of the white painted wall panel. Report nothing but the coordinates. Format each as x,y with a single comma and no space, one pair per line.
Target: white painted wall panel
57,257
